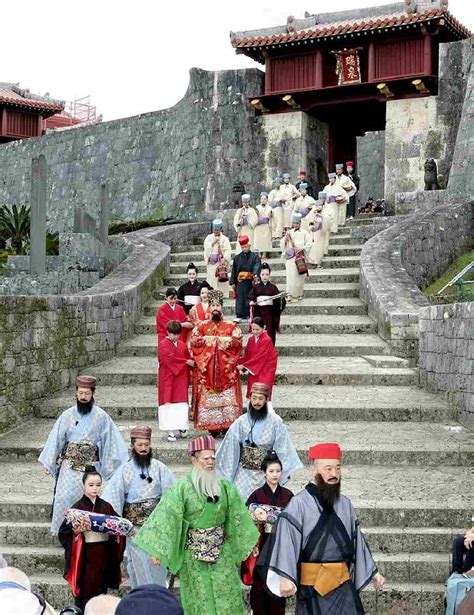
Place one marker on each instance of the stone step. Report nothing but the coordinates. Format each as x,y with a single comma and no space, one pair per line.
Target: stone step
287,345
384,496
329,262
348,289
291,370
341,238
368,443
348,274
312,403
382,539
345,305
398,567
297,324
196,255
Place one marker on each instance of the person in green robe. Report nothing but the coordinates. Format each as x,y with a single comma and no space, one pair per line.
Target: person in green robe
202,530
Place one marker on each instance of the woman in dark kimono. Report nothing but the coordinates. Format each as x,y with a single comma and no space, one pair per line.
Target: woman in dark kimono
92,558
272,498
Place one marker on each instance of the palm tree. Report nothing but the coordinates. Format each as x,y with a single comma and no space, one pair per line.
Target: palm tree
15,224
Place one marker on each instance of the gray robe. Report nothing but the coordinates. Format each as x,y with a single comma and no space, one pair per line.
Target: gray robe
308,532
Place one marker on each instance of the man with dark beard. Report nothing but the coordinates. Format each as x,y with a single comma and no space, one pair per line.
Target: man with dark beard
134,492
249,440
202,530
215,347
83,435
317,550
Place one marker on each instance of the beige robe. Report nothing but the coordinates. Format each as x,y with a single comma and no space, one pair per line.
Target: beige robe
277,213
316,252
212,248
245,229
349,189
302,241
334,208
301,204
287,193
262,238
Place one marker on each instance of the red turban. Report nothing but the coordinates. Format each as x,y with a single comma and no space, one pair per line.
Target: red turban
328,450
260,388
349,164
203,443
244,240
141,432
302,172
88,382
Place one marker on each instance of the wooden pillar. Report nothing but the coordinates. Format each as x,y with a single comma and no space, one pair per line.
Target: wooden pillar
40,126
427,54
268,76
371,63
3,126
319,70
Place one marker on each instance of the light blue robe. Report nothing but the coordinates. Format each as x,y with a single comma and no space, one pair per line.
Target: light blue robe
95,427
269,433
127,486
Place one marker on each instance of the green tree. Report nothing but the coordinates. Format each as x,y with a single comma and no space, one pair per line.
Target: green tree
15,224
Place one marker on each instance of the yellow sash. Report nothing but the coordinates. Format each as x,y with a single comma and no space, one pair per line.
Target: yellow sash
324,577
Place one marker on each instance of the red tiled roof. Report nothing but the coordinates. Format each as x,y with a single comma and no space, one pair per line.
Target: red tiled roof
11,97
348,27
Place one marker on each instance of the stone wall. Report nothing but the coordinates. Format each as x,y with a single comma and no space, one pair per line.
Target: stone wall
371,165
447,355
47,340
398,262
426,127
295,140
176,162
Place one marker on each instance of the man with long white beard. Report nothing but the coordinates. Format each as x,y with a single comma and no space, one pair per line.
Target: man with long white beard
202,530
317,550
134,491
249,440
84,434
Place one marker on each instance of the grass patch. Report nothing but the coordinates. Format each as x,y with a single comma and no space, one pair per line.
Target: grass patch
458,265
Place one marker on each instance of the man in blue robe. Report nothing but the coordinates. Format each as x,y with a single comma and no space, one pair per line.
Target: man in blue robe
83,435
317,550
134,491
248,441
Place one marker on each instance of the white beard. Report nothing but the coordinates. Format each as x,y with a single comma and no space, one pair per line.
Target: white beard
206,483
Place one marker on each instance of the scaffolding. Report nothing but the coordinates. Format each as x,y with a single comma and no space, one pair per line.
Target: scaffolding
82,110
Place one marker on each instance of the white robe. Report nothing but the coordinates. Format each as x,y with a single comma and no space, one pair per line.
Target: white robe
316,252
302,241
349,190
277,213
245,229
287,193
303,205
211,248
262,239
335,208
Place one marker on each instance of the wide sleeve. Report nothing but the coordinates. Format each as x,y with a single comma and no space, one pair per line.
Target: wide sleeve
167,478
255,361
163,534
112,448
281,553
226,249
286,451
168,356
160,323
208,247
237,220
364,568
240,530
114,492
256,265
53,447
228,454
253,218
235,271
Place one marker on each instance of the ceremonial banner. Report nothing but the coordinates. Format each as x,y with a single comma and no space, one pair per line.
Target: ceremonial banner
348,66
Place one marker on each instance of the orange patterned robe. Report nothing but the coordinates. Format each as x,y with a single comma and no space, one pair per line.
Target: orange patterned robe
217,394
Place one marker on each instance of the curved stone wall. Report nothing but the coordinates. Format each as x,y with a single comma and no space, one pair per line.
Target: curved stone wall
46,340
399,261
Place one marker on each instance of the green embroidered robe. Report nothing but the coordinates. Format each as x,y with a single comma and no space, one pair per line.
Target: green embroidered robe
213,589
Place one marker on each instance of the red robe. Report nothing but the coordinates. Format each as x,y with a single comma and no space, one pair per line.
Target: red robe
217,396
173,375
91,568
261,359
164,314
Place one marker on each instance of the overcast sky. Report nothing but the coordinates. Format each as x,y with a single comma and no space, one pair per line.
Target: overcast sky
132,56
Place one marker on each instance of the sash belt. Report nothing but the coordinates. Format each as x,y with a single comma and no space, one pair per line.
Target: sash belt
324,577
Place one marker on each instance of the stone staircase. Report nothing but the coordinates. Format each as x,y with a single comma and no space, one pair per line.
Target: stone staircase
407,472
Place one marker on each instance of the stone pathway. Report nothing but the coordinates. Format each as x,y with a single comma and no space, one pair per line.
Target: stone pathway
406,469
